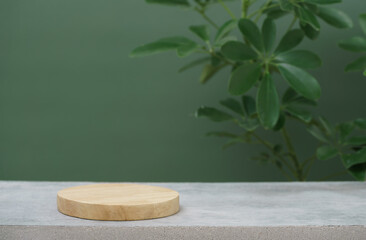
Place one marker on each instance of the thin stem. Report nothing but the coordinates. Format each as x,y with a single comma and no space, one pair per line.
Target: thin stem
292,23
313,157
293,155
222,59
306,173
270,147
264,142
283,171
262,9
334,175
202,13
244,8
232,15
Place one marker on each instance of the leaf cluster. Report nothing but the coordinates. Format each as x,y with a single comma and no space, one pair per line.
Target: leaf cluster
357,44
254,58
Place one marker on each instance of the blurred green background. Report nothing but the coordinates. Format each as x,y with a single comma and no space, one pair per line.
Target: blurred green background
74,106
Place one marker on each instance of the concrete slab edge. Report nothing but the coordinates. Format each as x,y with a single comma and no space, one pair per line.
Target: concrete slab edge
191,233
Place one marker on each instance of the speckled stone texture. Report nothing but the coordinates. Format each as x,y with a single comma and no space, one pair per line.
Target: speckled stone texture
264,211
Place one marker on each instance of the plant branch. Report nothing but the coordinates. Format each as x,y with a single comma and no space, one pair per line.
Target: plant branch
283,171
270,147
232,15
203,14
313,157
311,162
292,23
292,153
260,12
244,8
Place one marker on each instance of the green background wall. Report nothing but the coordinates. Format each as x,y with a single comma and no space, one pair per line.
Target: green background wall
73,106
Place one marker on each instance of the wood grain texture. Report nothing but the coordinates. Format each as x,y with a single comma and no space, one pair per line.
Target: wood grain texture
117,201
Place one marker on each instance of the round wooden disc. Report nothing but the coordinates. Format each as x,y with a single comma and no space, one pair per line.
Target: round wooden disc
117,201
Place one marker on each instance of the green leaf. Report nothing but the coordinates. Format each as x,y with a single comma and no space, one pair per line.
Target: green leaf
289,96
286,5
335,17
356,141
281,122
233,105
355,44
250,124
249,105
216,59
201,31
300,100
358,171
345,130
317,133
358,65
251,32
268,34
362,20
308,17
276,13
182,3
268,104
208,72
237,51
299,113
309,31
326,126
364,73
243,78
161,45
224,40
222,134
194,63
300,58
290,40
323,1
301,81
225,29
326,152
213,114
360,123
187,49
352,159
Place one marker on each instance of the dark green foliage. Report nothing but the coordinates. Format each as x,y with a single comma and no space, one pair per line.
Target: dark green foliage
269,34
163,45
335,17
300,58
251,32
254,58
183,3
326,152
243,78
237,51
201,31
233,105
301,81
213,114
290,40
268,104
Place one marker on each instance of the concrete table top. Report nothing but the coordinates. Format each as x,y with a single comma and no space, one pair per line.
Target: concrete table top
325,210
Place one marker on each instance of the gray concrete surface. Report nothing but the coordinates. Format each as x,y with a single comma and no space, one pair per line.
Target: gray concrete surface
328,210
